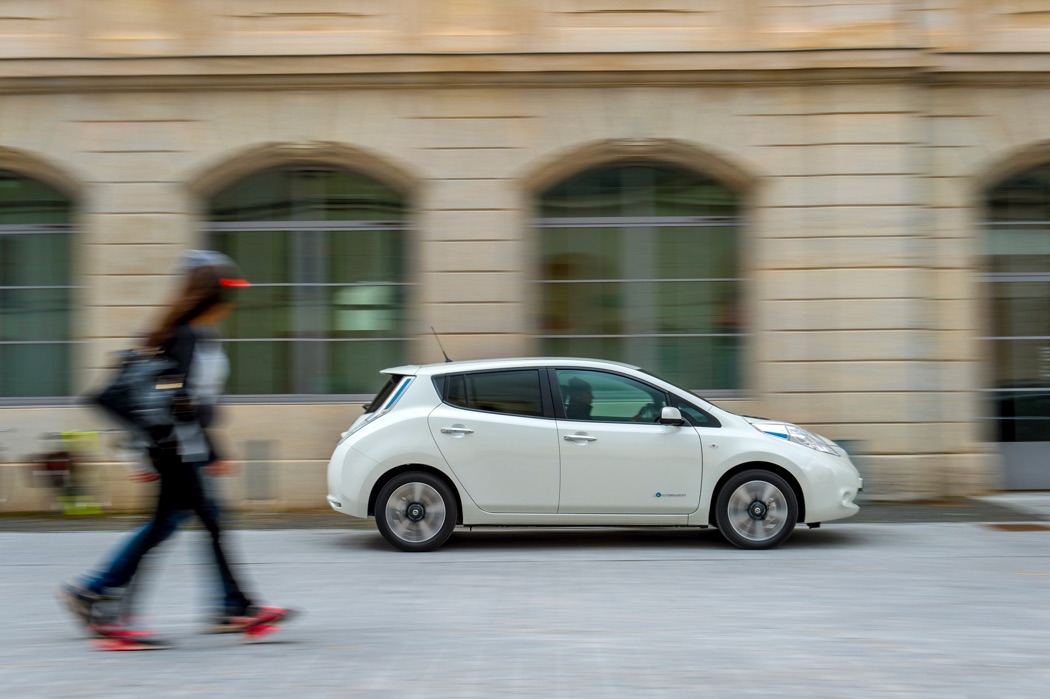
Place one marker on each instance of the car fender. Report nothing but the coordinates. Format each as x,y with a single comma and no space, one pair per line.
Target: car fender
713,473
414,445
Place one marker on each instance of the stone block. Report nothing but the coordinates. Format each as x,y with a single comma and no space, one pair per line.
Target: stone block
471,132
838,284
144,259
128,290
803,254
855,376
461,256
477,318
117,228
445,163
839,314
504,225
849,345
135,167
475,287
471,195
844,190
475,345
138,198
789,221
860,159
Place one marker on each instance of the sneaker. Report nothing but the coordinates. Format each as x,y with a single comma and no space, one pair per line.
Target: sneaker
89,608
249,618
79,600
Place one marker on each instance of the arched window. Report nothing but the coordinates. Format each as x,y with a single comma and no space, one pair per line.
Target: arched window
324,251
1019,277
35,289
639,263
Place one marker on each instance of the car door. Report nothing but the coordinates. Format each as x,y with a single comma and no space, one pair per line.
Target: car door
615,456
496,431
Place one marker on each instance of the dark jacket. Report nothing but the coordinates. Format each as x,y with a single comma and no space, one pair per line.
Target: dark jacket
181,347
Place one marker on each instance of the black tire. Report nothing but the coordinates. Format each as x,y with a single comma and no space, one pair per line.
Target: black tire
416,511
756,509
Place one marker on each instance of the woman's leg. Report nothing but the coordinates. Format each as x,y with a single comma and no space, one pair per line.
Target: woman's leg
171,511
207,509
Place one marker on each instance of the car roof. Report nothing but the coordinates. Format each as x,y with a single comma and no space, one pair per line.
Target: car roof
504,363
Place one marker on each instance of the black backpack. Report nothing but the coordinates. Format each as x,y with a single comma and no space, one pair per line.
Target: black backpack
142,393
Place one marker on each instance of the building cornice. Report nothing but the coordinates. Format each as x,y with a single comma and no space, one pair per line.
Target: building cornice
43,75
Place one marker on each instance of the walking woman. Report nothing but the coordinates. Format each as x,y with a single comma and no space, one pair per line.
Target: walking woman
180,458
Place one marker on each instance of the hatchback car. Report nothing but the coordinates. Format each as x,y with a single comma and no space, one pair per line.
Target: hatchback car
576,442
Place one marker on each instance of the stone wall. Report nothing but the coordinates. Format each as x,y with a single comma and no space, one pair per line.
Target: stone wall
861,171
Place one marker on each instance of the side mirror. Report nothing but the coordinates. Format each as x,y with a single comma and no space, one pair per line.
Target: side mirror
671,416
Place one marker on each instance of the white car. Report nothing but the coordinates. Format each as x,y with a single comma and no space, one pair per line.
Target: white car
576,442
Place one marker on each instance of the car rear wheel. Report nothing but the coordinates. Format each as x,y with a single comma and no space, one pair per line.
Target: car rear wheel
756,509
416,511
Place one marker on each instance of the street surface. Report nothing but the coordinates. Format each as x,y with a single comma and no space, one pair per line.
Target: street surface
849,610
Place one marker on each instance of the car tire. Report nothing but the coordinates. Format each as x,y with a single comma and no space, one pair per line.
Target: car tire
756,509
416,511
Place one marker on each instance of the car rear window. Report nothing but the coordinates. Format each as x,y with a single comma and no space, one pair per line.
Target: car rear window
383,394
514,392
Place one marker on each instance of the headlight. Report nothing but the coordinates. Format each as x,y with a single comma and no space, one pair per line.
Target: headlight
794,433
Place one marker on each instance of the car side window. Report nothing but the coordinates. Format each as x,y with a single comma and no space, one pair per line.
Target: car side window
606,397
515,392
694,415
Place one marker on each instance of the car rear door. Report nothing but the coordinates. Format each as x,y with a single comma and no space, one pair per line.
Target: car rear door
496,431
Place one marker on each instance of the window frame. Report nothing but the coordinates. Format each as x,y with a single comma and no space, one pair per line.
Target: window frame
652,222
67,229
214,230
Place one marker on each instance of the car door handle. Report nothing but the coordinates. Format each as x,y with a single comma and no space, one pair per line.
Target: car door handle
579,438
456,430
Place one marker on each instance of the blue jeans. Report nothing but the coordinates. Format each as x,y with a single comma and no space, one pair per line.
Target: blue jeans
181,494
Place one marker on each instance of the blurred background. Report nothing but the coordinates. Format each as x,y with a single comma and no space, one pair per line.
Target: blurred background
835,213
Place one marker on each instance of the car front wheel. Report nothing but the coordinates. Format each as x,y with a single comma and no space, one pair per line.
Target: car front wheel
756,509
416,511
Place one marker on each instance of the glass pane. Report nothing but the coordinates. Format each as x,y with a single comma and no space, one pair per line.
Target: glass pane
34,370
641,308
710,363
310,367
1022,363
23,200
599,396
34,315
264,257
1022,416
307,194
638,190
1021,308
354,365
1022,198
317,312
364,256
34,259
511,392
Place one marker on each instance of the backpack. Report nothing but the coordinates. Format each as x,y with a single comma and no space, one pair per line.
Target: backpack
142,393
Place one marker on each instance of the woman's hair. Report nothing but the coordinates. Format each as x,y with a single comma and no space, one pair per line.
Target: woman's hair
202,290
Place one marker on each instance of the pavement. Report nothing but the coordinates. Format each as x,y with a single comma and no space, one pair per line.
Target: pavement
902,609
1003,507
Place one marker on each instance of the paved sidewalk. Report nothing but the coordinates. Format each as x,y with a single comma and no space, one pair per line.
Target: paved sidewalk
851,611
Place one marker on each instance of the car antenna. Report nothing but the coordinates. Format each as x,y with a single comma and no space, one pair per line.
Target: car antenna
439,344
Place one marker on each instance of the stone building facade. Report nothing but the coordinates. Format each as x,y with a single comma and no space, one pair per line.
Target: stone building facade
844,160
